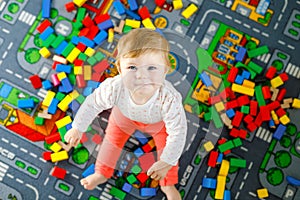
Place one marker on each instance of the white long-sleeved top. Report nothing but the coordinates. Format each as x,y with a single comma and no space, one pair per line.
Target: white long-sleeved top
165,105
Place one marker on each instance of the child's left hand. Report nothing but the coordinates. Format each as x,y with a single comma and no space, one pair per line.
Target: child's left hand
159,170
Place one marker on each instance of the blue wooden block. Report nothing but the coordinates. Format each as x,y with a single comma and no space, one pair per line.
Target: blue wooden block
147,192
100,37
210,183
133,5
105,25
239,79
87,91
279,132
93,84
205,79
47,85
88,171
25,103
241,54
46,33
127,187
61,47
74,106
53,106
220,158
5,90
68,126
138,152
66,85
87,42
227,195
63,68
246,74
230,113
119,7
132,14
46,8
271,123
141,137
75,40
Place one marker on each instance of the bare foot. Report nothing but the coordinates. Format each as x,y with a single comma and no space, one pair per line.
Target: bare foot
90,182
171,192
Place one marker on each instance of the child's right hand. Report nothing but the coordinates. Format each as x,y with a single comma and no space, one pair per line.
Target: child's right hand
73,137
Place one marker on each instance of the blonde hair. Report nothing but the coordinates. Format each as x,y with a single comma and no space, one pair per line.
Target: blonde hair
141,41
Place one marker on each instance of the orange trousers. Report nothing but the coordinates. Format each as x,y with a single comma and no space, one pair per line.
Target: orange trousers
118,131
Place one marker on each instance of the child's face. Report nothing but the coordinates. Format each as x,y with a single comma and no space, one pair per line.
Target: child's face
143,75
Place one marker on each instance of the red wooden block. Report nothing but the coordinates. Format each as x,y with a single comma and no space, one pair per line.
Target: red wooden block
45,24
87,21
266,92
243,41
81,47
142,177
271,72
273,105
227,152
234,132
231,104
80,81
232,74
265,113
78,62
214,99
243,133
101,18
212,159
258,120
47,155
230,93
35,81
52,138
251,127
96,76
248,119
284,77
253,107
70,6
97,139
280,112
59,172
84,31
54,64
243,100
146,161
160,3
101,66
146,148
84,138
93,32
254,3
237,119
144,12
281,94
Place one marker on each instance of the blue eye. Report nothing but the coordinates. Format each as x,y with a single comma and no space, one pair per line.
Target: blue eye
152,68
132,67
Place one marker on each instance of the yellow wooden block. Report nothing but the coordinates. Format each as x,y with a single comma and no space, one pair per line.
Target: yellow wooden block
221,182
79,3
296,103
242,89
87,72
59,156
61,75
48,98
55,147
208,146
77,70
133,23
248,84
219,106
89,52
45,52
148,24
262,193
73,55
274,115
74,94
284,119
110,35
189,11
177,4
64,104
276,82
63,122
224,169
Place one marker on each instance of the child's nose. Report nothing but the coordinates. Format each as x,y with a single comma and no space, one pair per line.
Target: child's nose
141,73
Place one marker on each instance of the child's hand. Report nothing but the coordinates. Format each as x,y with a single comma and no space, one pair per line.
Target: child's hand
159,170
73,137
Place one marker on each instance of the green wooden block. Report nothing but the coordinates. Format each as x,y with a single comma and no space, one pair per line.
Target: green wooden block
237,142
58,40
49,40
117,193
252,72
245,109
126,29
131,179
99,56
226,146
237,162
80,13
83,56
258,51
68,49
72,79
80,98
259,96
60,96
207,116
255,67
91,60
62,131
136,169
39,120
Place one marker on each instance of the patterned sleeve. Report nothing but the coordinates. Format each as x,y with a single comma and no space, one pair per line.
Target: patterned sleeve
102,98
176,127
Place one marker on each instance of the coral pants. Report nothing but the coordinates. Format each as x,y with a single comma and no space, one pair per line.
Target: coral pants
118,131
